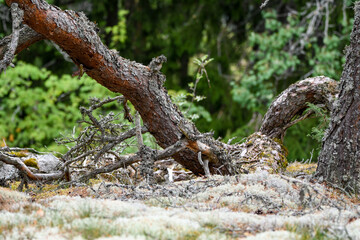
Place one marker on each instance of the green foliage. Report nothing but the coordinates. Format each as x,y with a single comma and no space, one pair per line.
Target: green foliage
318,132
268,61
191,111
307,233
271,59
118,31
36,105
283,53
300,145
201,64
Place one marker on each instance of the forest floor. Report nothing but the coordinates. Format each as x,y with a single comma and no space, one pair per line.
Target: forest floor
248,206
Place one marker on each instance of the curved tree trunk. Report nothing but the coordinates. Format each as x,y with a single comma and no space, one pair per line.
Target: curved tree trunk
339,161
288,108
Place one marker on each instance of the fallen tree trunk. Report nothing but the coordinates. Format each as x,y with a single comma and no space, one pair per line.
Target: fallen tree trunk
143,86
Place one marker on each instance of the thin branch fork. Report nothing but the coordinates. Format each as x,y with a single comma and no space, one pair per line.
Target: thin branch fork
127,160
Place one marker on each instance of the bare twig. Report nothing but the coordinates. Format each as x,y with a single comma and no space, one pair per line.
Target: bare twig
171,150
123,163
264,4
327,18
305,116
17,18
17,149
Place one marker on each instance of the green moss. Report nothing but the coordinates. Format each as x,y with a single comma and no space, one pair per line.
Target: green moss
297,167
192,235
18,154
306,233
283,161
283,148
31,162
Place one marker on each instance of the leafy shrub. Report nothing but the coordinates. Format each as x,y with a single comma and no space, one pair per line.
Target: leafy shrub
36,105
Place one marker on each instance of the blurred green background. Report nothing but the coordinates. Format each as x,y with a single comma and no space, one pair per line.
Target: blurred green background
257,53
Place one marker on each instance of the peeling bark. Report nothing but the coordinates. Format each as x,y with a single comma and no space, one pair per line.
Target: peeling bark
287,109
339,160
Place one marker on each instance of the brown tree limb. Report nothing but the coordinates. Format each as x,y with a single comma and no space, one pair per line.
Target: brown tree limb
77,36
292,103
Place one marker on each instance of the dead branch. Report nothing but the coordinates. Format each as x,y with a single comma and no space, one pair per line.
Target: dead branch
103,143
17,17
16,162
127,160
138,131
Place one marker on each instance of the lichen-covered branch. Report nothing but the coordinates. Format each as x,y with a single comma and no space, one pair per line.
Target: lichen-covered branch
98,148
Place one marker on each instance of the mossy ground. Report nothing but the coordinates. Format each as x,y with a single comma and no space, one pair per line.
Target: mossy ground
255,206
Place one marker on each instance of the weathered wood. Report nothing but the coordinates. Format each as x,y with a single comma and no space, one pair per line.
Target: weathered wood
339,160
292,102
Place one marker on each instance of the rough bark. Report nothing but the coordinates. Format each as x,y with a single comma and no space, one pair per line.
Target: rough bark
288,108
339,160
77,36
